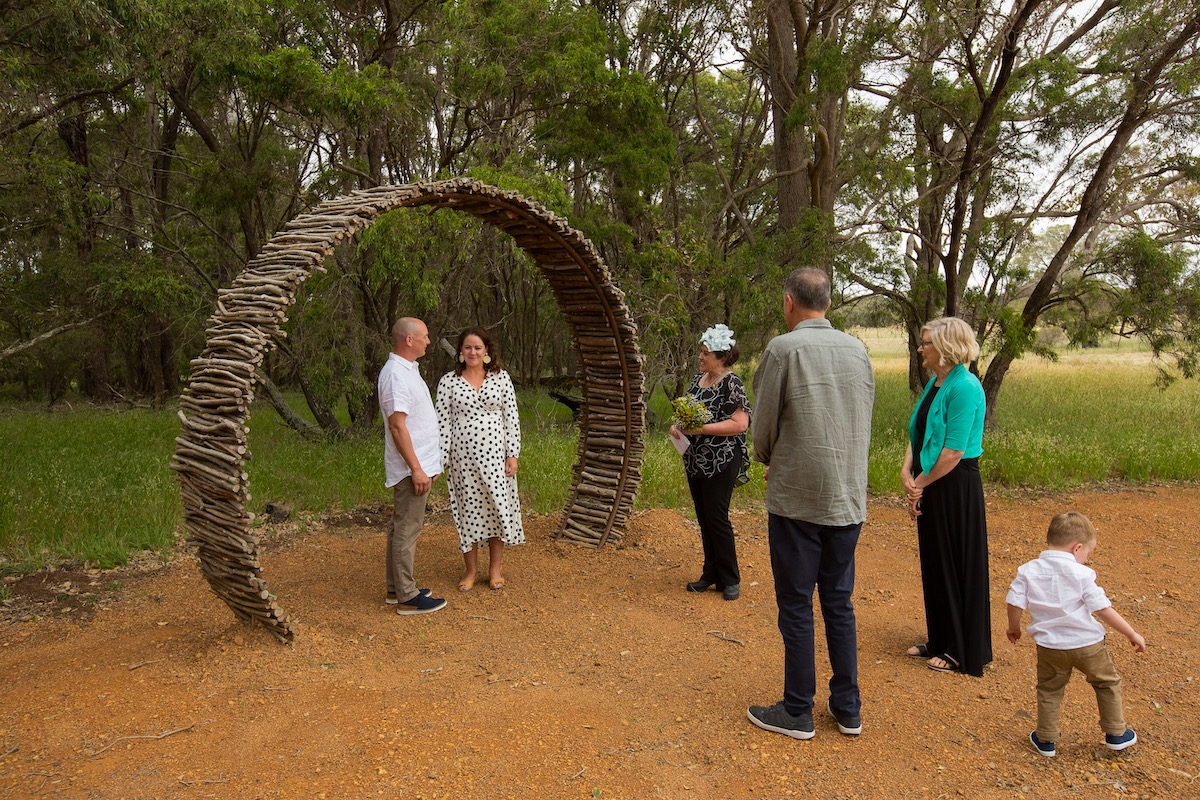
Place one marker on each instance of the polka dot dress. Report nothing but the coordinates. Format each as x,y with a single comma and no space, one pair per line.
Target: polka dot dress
479,429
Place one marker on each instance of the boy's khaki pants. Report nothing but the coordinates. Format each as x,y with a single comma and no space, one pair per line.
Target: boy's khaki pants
1054,669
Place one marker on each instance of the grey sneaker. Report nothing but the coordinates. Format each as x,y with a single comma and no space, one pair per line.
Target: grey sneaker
777,720
848,724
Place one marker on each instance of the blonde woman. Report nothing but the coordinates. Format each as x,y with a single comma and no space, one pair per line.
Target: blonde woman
945,495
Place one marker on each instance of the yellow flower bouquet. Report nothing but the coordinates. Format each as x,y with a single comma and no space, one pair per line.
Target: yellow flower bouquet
688,413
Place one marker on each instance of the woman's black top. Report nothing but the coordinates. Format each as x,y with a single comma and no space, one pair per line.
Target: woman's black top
919,433
709,455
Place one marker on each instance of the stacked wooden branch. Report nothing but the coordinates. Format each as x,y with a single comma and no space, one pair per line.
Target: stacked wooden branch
211,448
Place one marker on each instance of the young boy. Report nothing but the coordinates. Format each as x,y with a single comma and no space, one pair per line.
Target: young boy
1061,596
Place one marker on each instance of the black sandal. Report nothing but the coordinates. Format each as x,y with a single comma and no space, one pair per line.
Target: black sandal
951,661
923,651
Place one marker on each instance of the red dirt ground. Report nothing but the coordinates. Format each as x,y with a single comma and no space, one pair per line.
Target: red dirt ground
591,675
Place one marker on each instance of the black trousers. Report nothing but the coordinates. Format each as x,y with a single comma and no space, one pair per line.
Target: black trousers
952,542
711,497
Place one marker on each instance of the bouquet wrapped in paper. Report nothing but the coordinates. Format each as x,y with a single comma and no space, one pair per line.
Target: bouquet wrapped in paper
688,413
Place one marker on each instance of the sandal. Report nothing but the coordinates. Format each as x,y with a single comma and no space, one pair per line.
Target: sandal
951,664
922,651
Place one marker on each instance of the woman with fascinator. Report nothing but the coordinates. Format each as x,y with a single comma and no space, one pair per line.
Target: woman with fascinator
716,459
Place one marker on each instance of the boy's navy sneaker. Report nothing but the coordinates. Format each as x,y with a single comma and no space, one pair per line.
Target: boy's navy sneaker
777,719
848,724
391,598
421,604
1045,748
1120,742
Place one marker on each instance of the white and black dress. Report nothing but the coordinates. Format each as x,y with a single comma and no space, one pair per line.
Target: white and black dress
479,429
714,465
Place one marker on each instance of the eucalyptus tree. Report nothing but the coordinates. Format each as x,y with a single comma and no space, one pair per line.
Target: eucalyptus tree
1147,73
67,71
1010,115
687,191
813,54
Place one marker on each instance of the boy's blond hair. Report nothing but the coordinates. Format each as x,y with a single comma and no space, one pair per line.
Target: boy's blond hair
1070,527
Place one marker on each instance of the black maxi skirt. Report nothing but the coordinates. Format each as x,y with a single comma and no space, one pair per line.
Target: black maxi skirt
952,541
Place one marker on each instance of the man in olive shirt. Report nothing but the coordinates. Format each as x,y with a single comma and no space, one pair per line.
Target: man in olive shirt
814,389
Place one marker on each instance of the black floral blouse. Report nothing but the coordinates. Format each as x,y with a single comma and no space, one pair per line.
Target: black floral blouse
708,455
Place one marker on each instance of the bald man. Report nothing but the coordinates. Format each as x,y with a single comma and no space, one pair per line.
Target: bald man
412,459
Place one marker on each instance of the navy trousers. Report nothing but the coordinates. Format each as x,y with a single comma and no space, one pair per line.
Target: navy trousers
805,557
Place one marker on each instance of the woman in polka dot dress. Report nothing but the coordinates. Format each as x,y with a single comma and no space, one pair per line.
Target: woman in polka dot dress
481,441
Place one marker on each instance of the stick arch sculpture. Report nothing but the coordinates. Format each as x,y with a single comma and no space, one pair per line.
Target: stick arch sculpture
214,408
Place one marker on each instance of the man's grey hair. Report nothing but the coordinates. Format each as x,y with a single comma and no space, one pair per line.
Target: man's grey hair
809,288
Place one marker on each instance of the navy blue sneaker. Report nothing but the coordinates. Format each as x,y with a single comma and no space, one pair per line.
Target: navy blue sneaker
848,724
1126,739
777,719
391,598
421,604
1045,748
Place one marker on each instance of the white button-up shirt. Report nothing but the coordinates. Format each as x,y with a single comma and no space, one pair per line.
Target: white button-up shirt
402,389
1060,595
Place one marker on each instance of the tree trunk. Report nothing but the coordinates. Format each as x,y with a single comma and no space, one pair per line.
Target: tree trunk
787,34
280,404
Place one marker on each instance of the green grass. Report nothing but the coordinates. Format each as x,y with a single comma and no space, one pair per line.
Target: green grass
86,485
311,476
1065,425
92,486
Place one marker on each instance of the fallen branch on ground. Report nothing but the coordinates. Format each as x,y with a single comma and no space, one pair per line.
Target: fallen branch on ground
162,735
132,667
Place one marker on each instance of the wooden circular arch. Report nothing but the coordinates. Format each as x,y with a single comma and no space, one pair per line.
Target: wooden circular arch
211,449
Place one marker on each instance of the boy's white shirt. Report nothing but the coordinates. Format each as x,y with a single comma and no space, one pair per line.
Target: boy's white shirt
1060,595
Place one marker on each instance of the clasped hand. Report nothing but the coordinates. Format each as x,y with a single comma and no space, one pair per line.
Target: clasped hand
912,495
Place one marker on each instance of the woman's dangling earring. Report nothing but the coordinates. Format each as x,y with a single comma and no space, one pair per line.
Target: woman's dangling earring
487,359
462,359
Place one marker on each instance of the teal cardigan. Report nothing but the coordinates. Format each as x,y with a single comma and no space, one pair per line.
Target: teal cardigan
955,419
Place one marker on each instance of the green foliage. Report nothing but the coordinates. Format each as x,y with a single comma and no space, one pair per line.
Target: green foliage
1162,298
294,78
620,126
403,244
148,149
1012,337
142,289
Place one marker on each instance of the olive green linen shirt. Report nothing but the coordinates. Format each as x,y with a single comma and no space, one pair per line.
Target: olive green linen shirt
813,393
